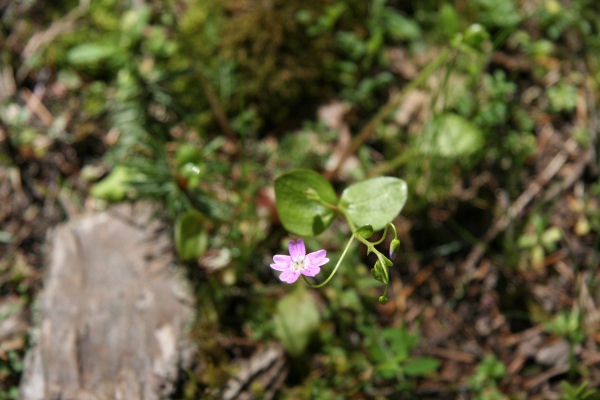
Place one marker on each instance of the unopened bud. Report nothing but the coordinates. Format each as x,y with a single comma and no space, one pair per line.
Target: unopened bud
394,248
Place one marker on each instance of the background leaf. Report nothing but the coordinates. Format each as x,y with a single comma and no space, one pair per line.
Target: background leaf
190,235
365,231
114,186
421,366
92,53
451,135
296,319
298,213
375,201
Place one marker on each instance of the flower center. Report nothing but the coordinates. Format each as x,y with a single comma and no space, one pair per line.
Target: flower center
299,264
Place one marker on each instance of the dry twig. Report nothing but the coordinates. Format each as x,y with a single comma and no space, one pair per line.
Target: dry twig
515,210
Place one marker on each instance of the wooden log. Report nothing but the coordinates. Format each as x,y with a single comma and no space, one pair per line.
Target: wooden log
113,313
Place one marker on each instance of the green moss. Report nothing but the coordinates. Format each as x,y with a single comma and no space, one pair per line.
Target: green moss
277,61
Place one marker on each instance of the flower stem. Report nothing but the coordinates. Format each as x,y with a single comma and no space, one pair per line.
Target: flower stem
384,234
326,281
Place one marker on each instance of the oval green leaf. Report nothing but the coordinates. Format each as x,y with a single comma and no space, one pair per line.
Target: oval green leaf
421,366
91,53
190,235
116,185
450,135
299,211
365,231
297,318
375,201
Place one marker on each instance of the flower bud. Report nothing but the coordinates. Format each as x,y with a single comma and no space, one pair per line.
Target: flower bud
394,248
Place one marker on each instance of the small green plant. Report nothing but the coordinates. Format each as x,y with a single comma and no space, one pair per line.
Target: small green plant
579,392
499,91
390,351
568,324
539,240
484,382
307,205
563,97
10,366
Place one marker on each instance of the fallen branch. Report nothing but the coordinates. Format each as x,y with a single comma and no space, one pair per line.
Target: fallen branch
34,103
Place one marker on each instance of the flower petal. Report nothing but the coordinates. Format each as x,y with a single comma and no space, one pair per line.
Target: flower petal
317,258
281,259
311,271
297,249
280,267
289,276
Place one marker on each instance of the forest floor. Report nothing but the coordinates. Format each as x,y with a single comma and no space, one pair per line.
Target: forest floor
497,279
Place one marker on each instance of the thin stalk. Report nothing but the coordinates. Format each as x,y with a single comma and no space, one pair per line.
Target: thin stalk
382,236
326,281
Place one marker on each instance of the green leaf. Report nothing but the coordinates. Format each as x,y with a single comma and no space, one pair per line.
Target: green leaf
551,236
388,369
399,27
527,240
114,186
421,366
451,135
190,235
296,320
91,53
187,153
379,274
375,201
400,342
365,231
491,367
300,213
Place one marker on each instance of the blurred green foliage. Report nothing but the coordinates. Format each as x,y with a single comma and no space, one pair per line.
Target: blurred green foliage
151,79
485,379
577,392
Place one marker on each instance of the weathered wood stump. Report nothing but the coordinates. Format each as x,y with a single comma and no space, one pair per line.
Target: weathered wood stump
112,312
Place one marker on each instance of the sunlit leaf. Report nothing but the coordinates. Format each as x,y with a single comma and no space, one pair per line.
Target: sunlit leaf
451,135
92,53
114,186
375,201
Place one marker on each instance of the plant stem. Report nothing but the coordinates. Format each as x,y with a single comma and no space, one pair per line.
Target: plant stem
334,269
385,234
217,109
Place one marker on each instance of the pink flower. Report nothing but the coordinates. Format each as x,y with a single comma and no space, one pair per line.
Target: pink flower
298,262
